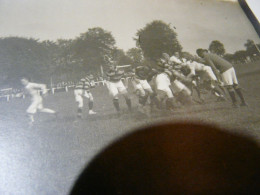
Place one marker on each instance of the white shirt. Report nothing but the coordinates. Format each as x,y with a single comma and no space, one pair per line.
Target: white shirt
33,88
195,66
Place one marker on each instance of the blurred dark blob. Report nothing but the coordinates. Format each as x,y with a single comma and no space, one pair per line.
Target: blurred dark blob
175,159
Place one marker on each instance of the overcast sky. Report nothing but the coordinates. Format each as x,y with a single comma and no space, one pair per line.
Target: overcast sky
197,22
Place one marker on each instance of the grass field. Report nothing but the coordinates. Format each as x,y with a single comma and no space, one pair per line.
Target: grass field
47,158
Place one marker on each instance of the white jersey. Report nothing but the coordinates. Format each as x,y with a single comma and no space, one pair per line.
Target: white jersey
33,88
207,73
195,66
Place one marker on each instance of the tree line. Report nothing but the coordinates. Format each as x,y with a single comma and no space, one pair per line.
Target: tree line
70,59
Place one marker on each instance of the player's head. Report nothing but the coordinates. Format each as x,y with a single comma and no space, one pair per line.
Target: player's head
200,52
90,76
175,159
176,54
185,70
166,56
25,80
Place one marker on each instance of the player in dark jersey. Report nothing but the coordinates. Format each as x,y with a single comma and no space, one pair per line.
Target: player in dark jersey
143,88
225,71
116,87
82,89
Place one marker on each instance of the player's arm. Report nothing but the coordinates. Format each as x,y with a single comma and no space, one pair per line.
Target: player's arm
181,76
44,89
192,72
41,87
175,60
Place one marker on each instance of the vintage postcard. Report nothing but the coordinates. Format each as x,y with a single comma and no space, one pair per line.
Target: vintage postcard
77,75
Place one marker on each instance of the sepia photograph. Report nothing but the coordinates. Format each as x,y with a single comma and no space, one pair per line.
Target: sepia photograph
144,97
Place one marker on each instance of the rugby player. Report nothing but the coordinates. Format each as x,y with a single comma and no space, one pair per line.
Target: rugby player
116,87
142,87
33,89
82,89
175,59
224,69
168,83
205,74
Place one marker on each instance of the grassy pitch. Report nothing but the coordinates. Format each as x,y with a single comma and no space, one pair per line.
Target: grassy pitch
46,158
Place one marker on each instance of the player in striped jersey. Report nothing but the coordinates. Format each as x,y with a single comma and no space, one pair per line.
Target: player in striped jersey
225,72
116,87
33,89
168,84
82,89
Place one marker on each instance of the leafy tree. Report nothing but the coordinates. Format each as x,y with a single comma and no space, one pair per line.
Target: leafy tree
252,49
217,47
23,57
240,56
156,38
229,57
93,47
119,56
67,65
136,55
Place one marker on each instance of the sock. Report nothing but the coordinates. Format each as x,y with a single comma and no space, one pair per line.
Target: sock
129,104
90,105
79,114
222,89
154,100
169,103
143,99
116,104
239,93
232,95
198,91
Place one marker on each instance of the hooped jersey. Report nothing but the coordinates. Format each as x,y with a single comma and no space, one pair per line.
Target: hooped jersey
85,84
115,75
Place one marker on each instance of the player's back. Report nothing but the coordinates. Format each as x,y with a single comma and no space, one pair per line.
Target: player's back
221,64
197,66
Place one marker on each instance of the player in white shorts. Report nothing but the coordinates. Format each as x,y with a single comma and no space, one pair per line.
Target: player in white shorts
227,73
142,88
115,87
174,62
81,91
206,75
168,85
34,89
163,83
